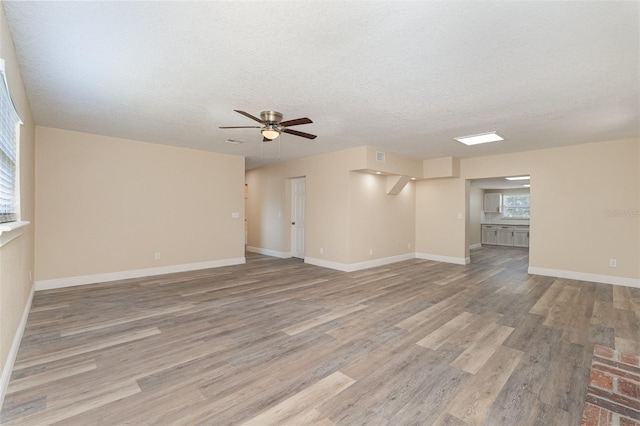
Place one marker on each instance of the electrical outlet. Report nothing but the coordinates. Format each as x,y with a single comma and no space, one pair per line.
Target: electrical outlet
370,252
409,245
613,263
321,250
157,256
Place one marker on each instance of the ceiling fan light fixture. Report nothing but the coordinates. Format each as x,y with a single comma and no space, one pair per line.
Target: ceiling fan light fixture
270,132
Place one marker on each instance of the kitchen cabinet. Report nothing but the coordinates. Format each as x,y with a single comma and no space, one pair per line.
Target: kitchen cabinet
489,234
521,237
493,202
505,235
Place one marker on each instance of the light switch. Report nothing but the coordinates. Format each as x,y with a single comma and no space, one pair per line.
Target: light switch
459,215
235,215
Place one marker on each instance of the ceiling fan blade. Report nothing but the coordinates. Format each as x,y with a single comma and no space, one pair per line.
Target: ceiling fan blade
296,122
246,114
297,133
239,127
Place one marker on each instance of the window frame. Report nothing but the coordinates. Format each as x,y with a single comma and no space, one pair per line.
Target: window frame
505,208
10,121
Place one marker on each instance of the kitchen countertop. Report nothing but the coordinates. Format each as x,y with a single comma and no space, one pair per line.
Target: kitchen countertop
505,224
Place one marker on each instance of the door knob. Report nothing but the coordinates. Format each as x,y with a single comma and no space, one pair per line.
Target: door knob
293,223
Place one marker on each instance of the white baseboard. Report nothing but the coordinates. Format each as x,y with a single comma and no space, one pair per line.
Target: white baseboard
380,262
15,345
475,246
137,273
344,267
268,252
351,267
446,259
583,276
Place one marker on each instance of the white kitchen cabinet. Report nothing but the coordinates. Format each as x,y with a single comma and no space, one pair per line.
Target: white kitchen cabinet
521,237
489,234
505,235
493,202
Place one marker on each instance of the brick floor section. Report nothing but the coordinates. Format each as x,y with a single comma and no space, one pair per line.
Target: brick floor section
613,394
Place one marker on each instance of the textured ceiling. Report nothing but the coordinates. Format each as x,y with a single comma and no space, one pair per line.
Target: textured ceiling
406,76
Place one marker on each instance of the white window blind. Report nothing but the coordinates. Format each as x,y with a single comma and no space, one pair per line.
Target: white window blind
9,122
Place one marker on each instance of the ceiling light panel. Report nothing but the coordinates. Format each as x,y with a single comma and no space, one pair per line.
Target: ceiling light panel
518,178
481,138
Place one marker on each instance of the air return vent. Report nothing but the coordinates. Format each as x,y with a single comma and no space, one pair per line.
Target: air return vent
380,156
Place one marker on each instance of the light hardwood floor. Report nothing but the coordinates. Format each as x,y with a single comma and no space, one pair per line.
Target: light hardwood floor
282,342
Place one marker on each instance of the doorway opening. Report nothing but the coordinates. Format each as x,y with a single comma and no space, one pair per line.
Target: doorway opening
498,228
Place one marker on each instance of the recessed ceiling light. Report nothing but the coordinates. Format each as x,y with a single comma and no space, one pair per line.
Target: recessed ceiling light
519,178
527,185
378,173
413,178
481,138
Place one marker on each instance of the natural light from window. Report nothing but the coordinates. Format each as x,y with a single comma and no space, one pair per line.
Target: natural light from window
9,121
516,206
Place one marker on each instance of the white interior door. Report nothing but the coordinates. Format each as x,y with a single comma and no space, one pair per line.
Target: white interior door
297,217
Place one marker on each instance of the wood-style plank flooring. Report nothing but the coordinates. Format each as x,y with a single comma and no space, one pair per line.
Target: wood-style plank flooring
277,341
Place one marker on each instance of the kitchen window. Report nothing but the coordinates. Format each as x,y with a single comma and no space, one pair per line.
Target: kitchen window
516,206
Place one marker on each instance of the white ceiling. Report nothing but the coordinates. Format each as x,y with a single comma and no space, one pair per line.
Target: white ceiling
406,76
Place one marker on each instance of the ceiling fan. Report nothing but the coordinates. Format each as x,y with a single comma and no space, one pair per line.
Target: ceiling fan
272,125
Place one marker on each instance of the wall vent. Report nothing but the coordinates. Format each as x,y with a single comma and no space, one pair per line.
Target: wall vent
380,156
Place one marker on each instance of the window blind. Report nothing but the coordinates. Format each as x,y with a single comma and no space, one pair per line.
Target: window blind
9,122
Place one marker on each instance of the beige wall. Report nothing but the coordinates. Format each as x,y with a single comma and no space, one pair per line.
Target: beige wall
108,205
378,221
474,228
570,192
438,230
327,200
347,213
572,188
394,163
16,257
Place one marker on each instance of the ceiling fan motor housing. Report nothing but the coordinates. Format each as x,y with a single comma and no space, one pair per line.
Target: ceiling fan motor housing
271,117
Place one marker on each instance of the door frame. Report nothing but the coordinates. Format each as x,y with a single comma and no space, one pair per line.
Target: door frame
294,229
